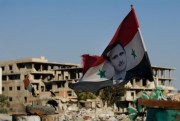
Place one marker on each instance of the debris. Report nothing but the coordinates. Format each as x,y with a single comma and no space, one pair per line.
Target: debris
175,97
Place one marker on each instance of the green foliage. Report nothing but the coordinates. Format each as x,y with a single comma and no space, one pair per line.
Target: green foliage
3,104
111,94
85,95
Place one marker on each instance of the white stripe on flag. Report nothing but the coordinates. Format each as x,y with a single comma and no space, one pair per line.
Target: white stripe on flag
92,73
135,45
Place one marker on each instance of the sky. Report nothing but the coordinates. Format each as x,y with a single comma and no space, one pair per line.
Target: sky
63,30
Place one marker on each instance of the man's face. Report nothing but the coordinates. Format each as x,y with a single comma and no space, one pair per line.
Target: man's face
118,58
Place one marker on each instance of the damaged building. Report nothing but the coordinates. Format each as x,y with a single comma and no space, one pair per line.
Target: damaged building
52,79
135,87
47,78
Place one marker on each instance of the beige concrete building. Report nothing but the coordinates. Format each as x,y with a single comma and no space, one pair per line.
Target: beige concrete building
45,77
135,87
54,77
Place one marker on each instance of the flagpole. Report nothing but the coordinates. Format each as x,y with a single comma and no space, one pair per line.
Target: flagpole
132,6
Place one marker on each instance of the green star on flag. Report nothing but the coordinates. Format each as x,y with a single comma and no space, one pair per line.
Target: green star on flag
101,73
133,53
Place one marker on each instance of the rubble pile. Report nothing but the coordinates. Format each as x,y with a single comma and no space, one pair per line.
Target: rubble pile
5,117
98,114
175,97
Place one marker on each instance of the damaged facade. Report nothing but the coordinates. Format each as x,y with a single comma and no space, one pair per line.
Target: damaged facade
48,78
135,87
51,78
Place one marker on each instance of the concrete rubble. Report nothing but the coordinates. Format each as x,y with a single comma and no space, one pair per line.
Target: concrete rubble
73,112
98,113
175,97
83,114
5,117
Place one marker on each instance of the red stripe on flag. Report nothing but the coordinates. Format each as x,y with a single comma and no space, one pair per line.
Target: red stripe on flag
126,30
99,61
26,82
90,61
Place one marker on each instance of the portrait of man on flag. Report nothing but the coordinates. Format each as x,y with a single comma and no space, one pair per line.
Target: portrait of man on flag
123,59
116,59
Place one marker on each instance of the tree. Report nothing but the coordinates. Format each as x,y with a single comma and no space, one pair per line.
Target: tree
3,104
111,94
85,95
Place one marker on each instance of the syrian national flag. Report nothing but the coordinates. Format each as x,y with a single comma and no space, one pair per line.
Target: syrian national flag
123,59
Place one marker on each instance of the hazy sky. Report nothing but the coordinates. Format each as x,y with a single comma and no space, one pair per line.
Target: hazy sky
63,30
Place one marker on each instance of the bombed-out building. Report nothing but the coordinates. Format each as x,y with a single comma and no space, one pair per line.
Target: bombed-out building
47,78
52,78
134,88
